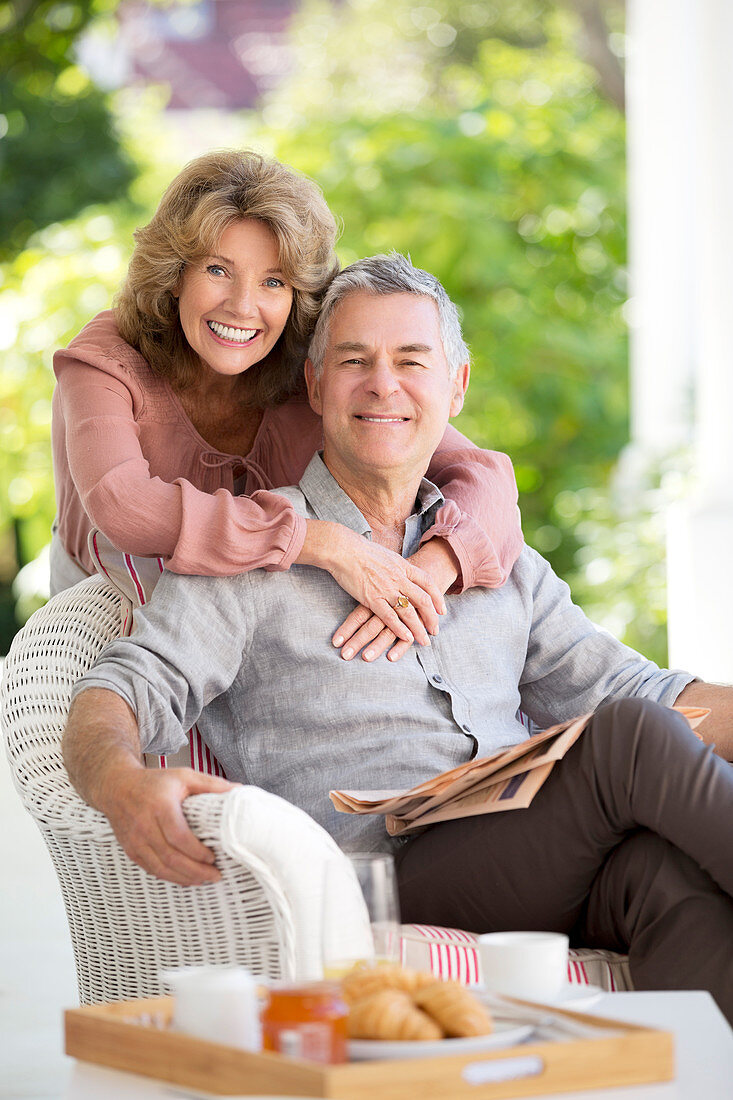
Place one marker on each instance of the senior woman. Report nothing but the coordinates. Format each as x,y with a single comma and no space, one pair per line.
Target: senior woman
176,412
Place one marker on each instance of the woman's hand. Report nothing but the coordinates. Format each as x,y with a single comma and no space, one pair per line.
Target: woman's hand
376,577
362,628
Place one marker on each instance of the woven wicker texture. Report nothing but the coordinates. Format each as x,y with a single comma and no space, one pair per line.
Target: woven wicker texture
125,925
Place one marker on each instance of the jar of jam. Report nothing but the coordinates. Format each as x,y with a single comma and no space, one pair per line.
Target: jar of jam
306,1021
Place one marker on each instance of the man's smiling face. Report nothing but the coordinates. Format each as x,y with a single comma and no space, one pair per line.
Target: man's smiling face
385,391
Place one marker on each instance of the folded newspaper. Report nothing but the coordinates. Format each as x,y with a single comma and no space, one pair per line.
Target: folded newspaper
506,780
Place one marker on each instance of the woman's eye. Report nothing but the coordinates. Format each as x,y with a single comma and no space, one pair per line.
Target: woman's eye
274,282
215,269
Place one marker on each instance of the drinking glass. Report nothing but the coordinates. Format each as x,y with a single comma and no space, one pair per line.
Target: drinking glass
376,875
361,917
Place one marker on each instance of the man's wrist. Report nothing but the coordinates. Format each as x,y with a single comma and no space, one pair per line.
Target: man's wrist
112,780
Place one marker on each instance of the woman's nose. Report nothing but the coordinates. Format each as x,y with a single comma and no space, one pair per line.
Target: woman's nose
243,297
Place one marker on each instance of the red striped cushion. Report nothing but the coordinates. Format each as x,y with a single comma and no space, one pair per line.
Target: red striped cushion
452,953
196,755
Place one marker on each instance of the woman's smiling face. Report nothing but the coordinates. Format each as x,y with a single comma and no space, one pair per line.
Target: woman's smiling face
234,305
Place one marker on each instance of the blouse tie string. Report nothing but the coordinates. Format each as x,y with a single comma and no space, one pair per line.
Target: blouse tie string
215,460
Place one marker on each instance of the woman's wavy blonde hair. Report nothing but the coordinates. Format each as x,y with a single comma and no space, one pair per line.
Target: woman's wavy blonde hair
204,198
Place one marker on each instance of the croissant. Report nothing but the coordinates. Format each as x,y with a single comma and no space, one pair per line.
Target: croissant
454,1008
390,1014
362,980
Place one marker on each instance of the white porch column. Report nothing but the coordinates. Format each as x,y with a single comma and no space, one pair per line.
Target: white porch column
700,545
660,118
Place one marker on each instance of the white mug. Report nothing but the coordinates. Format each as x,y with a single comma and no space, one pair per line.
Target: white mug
217,1003
533,965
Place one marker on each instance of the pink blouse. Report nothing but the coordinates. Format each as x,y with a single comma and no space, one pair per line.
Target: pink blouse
129,461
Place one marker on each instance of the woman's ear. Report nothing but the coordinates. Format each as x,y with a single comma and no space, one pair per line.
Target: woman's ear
176,291
314,390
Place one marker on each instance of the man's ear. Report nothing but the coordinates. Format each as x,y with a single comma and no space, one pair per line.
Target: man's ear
314,390
460,385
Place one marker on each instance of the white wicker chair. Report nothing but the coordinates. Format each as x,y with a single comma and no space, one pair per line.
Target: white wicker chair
126,925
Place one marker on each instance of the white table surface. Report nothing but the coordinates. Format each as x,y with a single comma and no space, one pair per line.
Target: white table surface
703,1047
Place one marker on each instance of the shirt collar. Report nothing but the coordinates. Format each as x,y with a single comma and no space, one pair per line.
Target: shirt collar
329,501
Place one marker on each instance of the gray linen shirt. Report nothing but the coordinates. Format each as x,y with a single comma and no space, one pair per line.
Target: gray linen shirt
250,659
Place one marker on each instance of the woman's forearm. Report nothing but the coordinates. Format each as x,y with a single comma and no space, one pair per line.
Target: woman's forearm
480,518
438,559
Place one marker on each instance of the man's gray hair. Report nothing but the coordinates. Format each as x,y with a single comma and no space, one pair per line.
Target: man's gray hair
390,274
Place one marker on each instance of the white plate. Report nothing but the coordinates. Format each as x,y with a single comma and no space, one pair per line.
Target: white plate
572,996
505,1034
577,996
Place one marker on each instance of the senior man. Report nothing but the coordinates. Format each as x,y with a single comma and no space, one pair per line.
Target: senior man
628,844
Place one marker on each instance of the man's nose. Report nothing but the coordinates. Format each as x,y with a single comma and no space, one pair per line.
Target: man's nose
383,380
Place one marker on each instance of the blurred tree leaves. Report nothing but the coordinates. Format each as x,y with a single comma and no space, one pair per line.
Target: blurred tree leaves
48,292
475,138
58,147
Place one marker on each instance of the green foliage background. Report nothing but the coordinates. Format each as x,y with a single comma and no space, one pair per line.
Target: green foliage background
506,178
58,149
472,136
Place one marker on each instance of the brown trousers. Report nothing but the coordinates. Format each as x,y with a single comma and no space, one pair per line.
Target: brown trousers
627,846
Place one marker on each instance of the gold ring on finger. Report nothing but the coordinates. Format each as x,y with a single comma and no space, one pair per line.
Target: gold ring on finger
402,602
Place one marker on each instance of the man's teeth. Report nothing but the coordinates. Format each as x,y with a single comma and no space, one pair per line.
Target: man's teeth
383,419
235,335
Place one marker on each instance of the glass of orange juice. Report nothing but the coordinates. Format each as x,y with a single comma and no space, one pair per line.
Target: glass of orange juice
361,917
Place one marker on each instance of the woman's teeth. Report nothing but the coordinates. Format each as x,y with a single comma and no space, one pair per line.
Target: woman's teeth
234,335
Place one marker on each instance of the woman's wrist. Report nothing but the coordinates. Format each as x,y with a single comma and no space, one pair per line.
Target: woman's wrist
437,558
322,543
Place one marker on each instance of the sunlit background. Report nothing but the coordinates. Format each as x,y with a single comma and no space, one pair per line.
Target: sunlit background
486,139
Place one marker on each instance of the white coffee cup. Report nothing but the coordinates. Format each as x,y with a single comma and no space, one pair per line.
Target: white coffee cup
533,965
217,1003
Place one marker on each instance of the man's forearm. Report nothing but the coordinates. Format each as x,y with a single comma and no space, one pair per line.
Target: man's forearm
101,742
717,728
102,755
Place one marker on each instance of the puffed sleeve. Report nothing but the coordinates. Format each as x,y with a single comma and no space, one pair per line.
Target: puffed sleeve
194,531
480,518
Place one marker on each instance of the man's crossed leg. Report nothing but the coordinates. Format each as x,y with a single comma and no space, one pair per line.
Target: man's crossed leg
628,845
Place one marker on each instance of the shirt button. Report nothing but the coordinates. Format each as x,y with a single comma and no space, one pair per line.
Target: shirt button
437,679
466,729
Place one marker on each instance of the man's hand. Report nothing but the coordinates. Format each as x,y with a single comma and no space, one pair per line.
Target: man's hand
363,629
145,811
102,755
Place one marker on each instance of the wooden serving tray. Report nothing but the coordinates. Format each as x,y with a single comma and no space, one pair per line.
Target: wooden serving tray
134,1036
